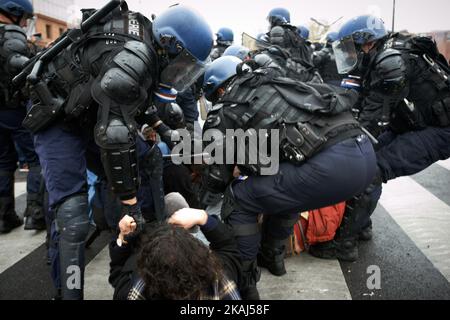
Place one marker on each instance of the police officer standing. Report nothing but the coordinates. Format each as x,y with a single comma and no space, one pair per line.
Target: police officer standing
90,100
405,102
324,157
14,53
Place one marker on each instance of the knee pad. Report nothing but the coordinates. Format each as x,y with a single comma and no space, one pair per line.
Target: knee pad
72,219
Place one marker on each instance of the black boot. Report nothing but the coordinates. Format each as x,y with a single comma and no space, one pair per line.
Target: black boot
366,234
250,277
34,216
8,217
271,256
345,244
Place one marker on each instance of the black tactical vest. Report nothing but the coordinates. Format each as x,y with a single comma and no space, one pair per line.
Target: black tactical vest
309,117
72,72
428,75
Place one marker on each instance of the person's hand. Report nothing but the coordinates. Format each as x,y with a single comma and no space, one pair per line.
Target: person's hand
126,226
188,218
131,210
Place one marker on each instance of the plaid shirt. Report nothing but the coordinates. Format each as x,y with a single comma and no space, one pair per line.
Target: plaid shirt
225,290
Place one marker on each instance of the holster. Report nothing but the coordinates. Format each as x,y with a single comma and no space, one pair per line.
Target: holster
45,112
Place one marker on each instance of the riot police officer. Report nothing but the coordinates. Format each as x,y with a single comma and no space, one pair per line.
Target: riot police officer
283,34
405,102
14,53
325,62
90,101
324,156
289,49
225,38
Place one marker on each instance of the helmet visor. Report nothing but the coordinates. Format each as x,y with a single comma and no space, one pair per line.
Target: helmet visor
346,55
182,71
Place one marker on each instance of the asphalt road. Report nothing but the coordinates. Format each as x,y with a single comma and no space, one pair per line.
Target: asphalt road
410,253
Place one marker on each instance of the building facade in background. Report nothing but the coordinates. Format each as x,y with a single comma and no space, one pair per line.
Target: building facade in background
51,19
442,39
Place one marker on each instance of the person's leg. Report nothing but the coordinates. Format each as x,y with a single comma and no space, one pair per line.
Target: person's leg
8,165
34,212
397,156
412,152
332,176
62,156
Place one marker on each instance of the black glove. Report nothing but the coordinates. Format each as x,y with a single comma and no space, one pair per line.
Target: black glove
133,211
150,116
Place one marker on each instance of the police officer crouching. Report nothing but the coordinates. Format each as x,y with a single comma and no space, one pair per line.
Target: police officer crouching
325,158
405,103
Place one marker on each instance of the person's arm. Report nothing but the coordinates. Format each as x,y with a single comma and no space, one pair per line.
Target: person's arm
123,260
14,50
220,236
120,90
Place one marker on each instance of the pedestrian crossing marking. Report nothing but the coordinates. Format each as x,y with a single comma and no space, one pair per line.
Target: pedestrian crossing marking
424,218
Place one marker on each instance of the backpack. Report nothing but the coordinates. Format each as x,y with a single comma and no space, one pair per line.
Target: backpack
420,45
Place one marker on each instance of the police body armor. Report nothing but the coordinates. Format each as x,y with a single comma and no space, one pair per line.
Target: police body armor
289,67
14,53
309,118
412,81
121,46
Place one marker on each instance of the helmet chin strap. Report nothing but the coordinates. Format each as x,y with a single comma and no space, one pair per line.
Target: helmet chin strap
13,19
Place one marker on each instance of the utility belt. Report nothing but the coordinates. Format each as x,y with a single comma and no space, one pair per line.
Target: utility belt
303,140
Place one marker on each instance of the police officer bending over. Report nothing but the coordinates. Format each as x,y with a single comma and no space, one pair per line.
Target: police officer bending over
325,158
96,90
405,101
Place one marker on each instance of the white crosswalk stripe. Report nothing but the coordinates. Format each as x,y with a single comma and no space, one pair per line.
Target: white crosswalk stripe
420,214
424,218
19,243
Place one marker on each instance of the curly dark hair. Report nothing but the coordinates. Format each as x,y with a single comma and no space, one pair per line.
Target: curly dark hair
174,265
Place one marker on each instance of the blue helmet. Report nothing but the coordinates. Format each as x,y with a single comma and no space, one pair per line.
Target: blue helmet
278,16
179,28
352,35
188,40
332,37
363,29
218,72
303,32
17,8
237,51
225,35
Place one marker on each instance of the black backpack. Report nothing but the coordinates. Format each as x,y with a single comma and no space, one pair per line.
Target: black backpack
420,45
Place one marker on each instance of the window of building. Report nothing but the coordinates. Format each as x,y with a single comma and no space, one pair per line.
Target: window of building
48,31
61,31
